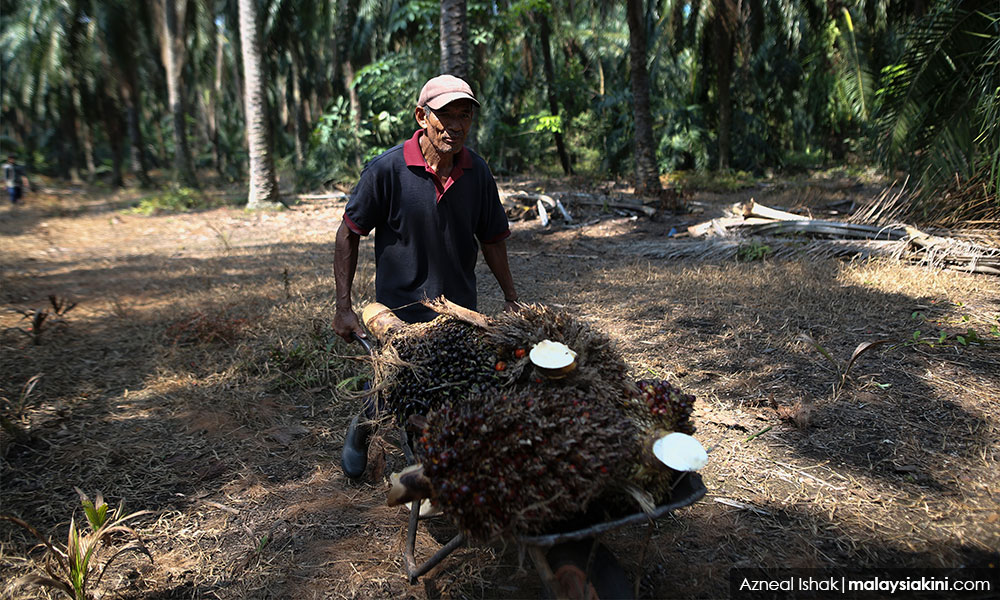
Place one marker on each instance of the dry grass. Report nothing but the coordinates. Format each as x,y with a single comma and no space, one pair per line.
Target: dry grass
198,378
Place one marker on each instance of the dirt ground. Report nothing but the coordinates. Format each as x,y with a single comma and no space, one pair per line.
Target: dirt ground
197,378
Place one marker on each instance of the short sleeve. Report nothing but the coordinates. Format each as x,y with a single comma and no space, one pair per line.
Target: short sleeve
366,207
493,226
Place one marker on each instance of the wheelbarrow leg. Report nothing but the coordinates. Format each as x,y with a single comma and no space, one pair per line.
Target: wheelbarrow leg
412,570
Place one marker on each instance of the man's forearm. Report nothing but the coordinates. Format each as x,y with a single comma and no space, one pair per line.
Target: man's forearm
345,264
496,258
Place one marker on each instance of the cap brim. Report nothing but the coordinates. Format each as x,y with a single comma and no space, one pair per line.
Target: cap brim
446,99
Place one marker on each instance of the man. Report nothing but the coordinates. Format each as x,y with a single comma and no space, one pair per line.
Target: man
432,203
14,178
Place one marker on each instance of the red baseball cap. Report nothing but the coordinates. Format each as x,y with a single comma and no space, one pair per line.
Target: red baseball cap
444,89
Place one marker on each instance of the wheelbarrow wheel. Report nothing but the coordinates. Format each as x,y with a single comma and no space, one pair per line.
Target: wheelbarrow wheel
607,579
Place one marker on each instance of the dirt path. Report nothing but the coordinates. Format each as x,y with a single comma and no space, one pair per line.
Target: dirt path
196,377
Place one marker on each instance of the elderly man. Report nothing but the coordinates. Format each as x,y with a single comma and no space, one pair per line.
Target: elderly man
432,203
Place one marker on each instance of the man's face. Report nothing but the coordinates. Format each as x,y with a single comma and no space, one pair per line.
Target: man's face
448,126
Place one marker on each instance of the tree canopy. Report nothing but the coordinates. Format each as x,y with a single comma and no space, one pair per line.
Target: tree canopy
94,87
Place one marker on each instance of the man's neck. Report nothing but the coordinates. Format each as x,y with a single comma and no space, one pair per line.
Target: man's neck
438,162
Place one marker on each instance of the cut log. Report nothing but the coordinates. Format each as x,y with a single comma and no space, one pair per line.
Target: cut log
752,209
609,202
543,215
380,320
580,198
329,196
718,226
834,229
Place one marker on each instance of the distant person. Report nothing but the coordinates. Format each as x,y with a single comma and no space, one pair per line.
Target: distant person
433,205
14,177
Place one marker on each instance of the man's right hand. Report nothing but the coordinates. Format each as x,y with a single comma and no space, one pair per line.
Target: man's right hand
346,323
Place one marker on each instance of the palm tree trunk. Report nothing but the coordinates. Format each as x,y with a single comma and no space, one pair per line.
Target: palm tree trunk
171,18
298,116
263,192
159,158
69,148
84,135
281,95
550,85
454,39
236,74
647,175
111,115
355,102
213,99
137,157
724,31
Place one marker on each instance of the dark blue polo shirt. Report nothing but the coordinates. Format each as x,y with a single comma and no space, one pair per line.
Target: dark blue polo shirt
427,231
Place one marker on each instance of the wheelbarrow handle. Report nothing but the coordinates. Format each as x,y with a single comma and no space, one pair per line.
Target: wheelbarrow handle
363,341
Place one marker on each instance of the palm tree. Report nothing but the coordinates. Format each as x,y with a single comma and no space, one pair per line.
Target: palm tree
121,22
263,192
543,32
647,174
171,19
47,59
928,124
454,39
725,23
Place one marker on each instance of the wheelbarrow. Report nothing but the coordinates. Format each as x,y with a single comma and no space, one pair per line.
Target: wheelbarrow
570,561
571,564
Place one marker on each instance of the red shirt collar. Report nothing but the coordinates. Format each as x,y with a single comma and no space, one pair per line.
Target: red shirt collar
415,158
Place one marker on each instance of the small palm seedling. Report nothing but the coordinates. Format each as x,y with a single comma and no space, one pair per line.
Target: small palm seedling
11,412
43,318
842,368
76,569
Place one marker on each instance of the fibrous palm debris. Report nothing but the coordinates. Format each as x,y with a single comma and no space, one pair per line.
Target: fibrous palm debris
508,451
434,362
515,463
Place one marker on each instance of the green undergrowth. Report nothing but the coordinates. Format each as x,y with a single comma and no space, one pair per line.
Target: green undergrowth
316,360
178,200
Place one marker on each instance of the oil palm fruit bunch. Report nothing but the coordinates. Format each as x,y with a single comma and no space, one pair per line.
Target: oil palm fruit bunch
659,404
514,463
599,365
656,408
434,363
509,445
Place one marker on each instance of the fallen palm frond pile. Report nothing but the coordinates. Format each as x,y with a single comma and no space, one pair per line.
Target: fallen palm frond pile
756,231
963,204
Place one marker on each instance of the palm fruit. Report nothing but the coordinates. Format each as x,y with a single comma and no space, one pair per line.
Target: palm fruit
431,363
656,407
660,405
508,451
600,367
515,463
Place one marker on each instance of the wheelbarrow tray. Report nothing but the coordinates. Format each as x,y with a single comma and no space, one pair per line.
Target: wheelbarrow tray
687,490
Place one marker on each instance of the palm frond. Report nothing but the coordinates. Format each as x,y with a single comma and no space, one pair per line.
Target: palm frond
934,117
856,77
